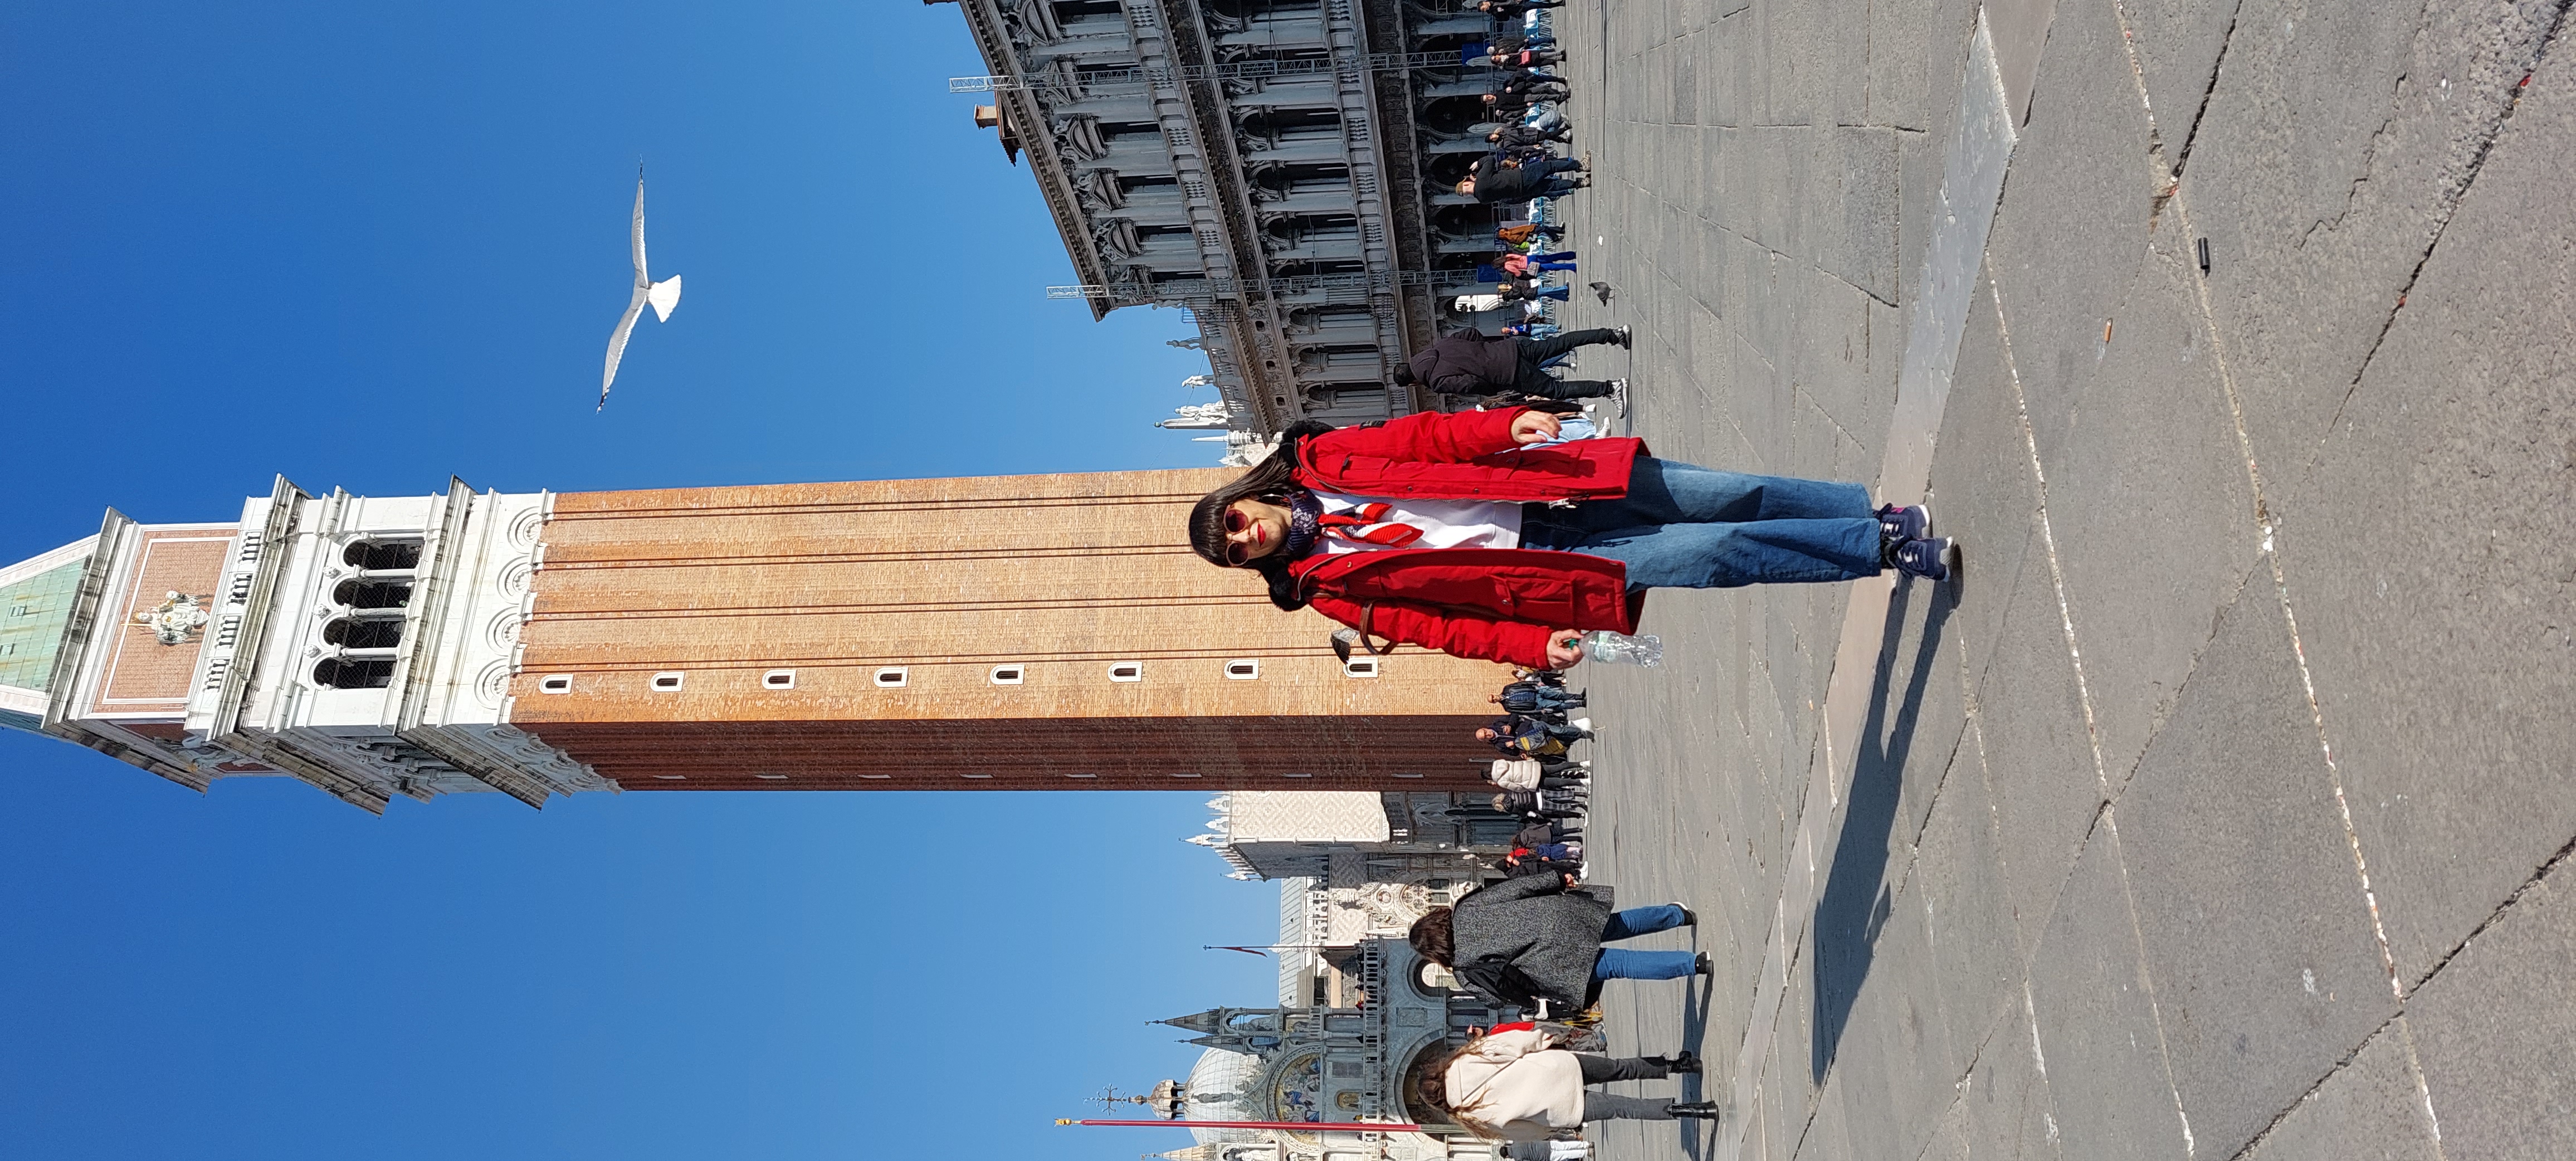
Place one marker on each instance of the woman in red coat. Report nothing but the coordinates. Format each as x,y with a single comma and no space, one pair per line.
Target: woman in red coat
1454,533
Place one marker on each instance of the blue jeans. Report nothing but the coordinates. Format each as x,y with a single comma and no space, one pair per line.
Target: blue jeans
1618,963
1690,527
1552,700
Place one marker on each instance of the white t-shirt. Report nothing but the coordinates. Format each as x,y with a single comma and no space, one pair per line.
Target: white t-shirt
1443,523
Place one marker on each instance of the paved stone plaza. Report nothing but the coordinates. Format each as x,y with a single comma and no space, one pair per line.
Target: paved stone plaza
2219,808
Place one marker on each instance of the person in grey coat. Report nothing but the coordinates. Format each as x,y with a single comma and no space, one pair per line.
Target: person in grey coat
1535,942
1470,362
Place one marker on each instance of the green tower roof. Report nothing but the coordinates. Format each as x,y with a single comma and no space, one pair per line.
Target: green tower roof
36,598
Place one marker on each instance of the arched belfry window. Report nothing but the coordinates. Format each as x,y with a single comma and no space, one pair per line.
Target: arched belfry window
354,672
374,554
372,593
363,632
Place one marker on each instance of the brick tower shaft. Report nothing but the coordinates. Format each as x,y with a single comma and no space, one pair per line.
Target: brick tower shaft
1010,632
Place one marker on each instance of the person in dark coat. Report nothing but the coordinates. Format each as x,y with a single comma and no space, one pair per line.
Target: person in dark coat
1542,803
1545,858
1519,737
1536,941
1468,362
1518,289
1509,157
1525,58
1531,135
1510,105
1530,179
1536,86
1544,832
1531,698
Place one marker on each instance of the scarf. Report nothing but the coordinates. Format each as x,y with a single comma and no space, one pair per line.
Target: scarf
1368,524
1305,524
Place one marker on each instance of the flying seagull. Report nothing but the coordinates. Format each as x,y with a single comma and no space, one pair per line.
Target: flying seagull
663,295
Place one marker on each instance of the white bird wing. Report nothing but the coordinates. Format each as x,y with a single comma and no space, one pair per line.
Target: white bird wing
640,279
617,344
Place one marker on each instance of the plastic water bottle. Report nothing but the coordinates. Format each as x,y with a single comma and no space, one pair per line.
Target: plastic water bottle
1604,645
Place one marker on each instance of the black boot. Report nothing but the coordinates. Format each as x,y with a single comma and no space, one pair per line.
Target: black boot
1694,1110
1701,967
1684,1061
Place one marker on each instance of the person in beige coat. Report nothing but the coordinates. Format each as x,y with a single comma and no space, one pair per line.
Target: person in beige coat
1515,1084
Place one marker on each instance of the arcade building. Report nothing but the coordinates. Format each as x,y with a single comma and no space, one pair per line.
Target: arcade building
1278,168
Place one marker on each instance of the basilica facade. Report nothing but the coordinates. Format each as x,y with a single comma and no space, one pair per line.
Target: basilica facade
1359,1058
1359,1017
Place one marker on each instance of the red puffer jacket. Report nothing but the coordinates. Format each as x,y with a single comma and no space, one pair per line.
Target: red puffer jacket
1466,456
1498,604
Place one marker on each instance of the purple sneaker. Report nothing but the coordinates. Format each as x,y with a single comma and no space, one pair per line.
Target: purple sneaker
1902,522
1929,559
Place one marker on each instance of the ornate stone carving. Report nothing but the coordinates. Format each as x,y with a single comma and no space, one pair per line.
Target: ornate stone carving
492,684
178,619
1117,238
1078,137
1103,184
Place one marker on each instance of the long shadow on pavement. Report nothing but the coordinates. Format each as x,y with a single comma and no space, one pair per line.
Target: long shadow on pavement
1855,903
1697,1134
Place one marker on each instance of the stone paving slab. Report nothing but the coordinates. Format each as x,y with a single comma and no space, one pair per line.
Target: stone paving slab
2446,657
2210,811
2369,1109
2496,1037
2265,966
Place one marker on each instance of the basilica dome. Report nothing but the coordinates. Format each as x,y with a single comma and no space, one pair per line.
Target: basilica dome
1226,1086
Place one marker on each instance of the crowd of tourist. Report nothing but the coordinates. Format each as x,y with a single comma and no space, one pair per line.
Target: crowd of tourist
1505,533
1536,941
1522,173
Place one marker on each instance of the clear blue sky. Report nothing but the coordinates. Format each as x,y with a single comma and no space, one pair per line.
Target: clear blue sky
369,246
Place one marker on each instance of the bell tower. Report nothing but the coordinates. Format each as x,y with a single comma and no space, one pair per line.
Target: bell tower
1010,632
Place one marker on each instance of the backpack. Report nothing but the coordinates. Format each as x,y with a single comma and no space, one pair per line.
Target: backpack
1495,977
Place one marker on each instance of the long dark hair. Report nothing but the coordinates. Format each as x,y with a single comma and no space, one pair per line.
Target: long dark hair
1270,481
1433,938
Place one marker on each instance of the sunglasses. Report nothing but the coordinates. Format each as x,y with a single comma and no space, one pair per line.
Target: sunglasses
1236,555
